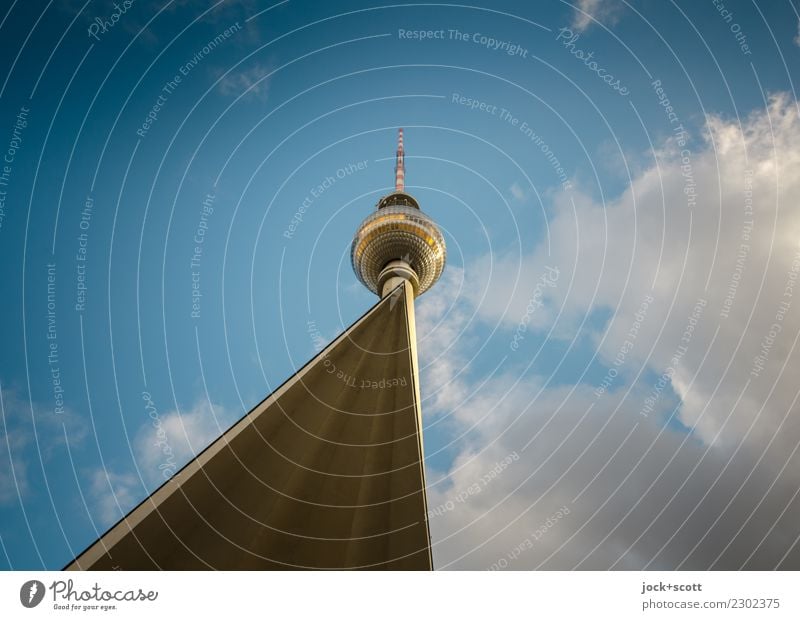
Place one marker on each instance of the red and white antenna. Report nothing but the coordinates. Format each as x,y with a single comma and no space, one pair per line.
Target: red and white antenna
400,166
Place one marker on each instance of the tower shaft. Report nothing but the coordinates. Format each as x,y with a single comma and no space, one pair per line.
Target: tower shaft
326,473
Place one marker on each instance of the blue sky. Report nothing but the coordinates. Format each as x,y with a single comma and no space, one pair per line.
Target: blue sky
276,107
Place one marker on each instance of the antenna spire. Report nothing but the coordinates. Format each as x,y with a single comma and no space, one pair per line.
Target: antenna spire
400,166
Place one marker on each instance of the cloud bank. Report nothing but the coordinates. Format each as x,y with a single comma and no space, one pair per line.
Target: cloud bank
687,456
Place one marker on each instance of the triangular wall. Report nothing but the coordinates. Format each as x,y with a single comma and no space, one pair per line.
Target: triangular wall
325,473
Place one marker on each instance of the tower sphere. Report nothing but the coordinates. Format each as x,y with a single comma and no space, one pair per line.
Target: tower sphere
398,241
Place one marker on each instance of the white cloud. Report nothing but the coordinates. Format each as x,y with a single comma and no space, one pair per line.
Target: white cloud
113,494
168,441
797,36
630,487
517,193
645,494
507,289
162,445
251,82
442,321
601,10
14,469
19,442
649,241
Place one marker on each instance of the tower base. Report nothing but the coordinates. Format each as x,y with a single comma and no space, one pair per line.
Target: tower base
326,473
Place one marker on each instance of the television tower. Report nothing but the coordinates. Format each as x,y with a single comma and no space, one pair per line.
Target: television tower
327,472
